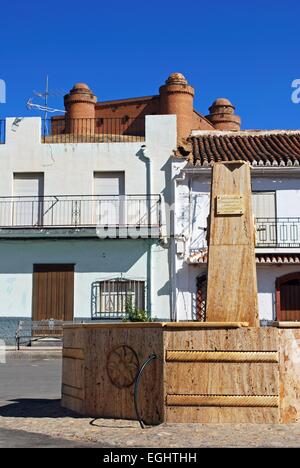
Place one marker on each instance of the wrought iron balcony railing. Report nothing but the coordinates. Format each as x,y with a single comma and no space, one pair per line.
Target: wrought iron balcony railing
278,232
270,233
136,211
98,130
2,131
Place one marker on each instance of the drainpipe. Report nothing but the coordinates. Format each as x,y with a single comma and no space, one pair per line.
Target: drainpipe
150,243
178,177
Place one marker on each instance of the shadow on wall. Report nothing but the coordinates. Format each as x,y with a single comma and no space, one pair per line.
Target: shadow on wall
167,194
165,290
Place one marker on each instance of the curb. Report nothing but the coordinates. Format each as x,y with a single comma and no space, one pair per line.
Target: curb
49,353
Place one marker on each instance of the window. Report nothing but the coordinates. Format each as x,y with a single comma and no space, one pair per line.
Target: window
264,208
109,183
109,187
28,205
264,204
109,298
201,298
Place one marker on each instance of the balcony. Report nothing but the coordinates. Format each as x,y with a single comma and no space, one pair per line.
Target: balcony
271,233
278,232
82,215
98,130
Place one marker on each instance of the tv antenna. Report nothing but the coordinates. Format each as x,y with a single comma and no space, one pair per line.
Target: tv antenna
45,96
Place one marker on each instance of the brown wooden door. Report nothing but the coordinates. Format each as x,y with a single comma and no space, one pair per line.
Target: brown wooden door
53,292
288,298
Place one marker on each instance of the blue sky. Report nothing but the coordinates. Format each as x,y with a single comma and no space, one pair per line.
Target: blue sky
245,51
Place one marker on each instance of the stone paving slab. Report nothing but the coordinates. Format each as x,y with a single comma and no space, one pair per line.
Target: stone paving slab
29,402
51,420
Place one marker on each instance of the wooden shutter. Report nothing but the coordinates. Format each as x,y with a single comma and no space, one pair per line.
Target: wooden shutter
27,211
264,204
109,183
110,186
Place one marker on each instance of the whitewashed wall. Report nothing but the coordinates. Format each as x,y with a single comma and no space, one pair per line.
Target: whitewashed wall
94,260
266,280
69,170
192,207
287,193
192,203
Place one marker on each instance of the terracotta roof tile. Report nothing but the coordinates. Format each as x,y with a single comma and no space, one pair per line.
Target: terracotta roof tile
261,148
278,259
201,257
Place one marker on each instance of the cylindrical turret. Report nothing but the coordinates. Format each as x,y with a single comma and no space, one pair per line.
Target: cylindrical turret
177,97
222,116
80,106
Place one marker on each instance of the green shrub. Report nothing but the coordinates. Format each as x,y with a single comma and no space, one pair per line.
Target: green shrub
134,314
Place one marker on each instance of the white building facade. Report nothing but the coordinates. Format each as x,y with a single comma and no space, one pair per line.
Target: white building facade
82,224
86,226
274,157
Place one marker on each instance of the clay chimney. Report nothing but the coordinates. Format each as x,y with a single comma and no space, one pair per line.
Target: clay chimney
80,107
222,116
177,97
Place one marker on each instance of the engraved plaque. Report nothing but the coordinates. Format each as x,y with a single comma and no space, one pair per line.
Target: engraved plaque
230,205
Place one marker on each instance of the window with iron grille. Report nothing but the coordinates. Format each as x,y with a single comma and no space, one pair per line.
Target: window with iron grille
110,297
201,298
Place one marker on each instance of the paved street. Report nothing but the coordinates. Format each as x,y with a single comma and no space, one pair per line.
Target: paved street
26,378
31,416
10,438
22,384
